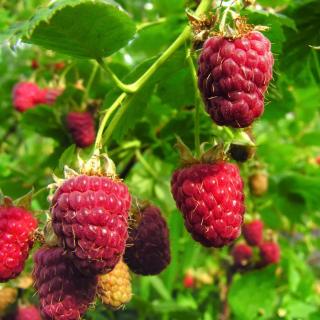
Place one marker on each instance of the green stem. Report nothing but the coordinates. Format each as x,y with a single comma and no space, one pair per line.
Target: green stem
35,194
197,102
224,18
115,105
145,25
89,85
124,87
136,86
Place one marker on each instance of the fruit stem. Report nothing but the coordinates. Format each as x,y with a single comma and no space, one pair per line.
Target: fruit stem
223,19
35,194
88,86
128,88
136,86
197,102
114,106
145,25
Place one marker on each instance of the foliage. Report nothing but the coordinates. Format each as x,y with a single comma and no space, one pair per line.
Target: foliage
35,144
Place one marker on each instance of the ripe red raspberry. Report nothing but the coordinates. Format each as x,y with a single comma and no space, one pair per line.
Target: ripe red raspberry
90,217
253,232
241,254
16,230
25,95
269,253
148,249
64,293
211,198
233,77
81,127
27,313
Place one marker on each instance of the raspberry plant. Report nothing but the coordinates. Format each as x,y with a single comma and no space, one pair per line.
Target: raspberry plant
236,83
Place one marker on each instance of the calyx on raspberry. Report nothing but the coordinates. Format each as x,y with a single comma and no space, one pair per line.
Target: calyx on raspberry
17,226
89,214
235,69
210,196
148,247
64,292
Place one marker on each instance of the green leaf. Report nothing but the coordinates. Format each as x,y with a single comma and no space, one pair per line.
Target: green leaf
253,294
79,28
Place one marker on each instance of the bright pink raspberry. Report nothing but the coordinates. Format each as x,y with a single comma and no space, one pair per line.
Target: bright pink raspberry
90,217
27,313
17,226
64,293
269,253
241,254
233,76
81,128
253,232
25,96
211,198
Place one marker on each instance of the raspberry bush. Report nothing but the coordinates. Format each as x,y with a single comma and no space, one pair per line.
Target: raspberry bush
162,158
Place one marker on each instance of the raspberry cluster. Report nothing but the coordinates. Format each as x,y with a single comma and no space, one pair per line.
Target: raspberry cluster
243,253
17,226
211,198
233,76
148,247
27,95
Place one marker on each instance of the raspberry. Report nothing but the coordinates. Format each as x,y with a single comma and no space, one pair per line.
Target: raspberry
64,293
25,96
16,230
34,64
258,184
233,77
211,198
189,281
253,232
27,313
241,153
81,128
241,254
50,95
114,288
90,217
269,253
8,297
148,249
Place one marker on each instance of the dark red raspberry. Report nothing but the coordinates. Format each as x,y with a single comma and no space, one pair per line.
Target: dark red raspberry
34,64
27,313
233,77
90,217
269,253
148,247
16,231
241,254
81,127
25,96
253,232
64,293
211,198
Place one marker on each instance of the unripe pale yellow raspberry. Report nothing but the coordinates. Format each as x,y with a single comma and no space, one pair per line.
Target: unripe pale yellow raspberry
114,288
8,297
